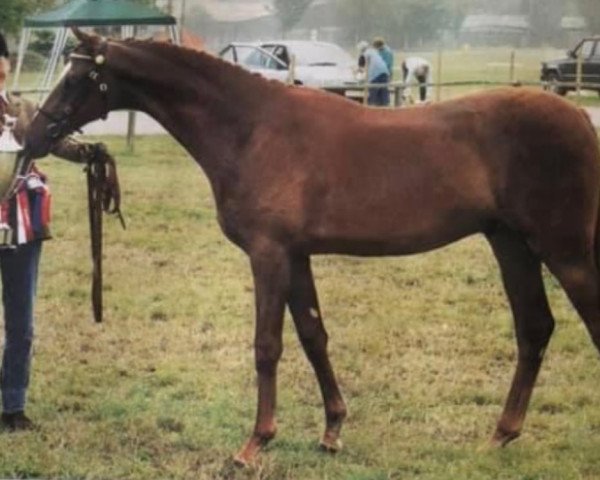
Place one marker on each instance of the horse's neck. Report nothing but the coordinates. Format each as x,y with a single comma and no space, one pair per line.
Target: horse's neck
208,106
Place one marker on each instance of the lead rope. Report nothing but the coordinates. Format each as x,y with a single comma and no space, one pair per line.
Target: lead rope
96,173
103,189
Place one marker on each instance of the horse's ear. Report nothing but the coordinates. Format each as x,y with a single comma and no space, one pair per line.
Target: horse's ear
82,36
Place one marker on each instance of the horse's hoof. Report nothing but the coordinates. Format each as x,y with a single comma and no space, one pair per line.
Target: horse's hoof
241,461
330,446
501,439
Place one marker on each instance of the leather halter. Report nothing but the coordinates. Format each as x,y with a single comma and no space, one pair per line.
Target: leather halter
58,126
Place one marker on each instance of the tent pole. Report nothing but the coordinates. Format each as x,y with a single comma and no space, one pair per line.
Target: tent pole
174,34
128,31
49,64
61,49
59,42
23,42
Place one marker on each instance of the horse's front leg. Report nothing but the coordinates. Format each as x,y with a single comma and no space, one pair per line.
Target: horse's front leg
271,272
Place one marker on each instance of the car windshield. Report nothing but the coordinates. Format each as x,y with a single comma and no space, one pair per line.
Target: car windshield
317,54
586,48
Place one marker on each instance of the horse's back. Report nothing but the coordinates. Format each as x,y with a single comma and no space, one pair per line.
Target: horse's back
369,181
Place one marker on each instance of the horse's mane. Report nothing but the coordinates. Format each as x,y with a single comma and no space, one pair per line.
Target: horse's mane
199,59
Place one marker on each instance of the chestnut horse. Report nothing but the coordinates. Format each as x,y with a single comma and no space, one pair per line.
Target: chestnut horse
296,172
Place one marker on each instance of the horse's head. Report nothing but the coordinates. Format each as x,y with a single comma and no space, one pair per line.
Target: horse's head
81,95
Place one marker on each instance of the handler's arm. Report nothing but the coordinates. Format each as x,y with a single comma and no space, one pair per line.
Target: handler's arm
75,151
84,153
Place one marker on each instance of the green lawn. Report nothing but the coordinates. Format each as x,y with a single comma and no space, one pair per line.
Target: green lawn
165,388
478,66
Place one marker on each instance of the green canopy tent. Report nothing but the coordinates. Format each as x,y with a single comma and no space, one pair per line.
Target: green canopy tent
88,13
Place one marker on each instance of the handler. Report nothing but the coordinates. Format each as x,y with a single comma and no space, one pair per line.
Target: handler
376,72
27,213
416,69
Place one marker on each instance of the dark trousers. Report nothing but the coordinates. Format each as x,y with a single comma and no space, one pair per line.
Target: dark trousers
379,96
19,270
421,78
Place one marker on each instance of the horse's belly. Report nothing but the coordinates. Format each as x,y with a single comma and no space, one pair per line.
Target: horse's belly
391,236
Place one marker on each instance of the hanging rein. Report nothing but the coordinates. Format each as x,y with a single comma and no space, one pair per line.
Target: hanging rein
103,195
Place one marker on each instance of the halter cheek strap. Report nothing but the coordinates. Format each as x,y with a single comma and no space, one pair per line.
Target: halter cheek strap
96,73
58,124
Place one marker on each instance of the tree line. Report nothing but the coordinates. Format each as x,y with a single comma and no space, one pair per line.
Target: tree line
409,22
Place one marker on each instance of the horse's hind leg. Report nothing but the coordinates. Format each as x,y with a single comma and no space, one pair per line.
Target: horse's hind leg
581,281
522,278
304,307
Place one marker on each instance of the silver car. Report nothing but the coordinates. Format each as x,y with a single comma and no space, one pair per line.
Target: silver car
302,62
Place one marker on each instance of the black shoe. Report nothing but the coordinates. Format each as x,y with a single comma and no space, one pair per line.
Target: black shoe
16,421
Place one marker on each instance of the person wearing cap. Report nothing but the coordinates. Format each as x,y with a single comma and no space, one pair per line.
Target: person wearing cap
376,72
386,53
27,213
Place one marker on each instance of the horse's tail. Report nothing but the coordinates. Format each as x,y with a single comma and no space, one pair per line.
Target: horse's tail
597,232
590,124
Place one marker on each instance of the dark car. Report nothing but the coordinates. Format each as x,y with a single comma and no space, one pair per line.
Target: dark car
560,76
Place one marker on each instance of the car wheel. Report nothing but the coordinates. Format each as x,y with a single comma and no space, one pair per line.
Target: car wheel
552,85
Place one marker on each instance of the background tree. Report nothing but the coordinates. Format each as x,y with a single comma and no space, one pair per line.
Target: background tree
422,20
590,9
404,23
289,12
544,20
12,13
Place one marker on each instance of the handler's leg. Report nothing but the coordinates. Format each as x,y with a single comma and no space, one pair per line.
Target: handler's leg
304,306
271,271
422,79
19,270
521,274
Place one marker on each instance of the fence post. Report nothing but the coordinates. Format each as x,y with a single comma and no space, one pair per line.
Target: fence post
366,91
292,71
578,75
397,94
438,87
512,68
130,131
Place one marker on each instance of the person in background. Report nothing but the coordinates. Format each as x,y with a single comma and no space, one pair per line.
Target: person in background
416,70
386,53
376,72
27,213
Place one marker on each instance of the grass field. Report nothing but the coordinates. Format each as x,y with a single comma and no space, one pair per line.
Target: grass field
165,388
491,65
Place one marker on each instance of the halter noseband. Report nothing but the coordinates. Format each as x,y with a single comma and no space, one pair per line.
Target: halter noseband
58,124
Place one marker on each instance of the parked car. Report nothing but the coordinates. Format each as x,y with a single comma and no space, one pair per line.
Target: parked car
315,64
560,75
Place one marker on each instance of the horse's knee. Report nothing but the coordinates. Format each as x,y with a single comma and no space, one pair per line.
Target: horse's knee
314,340
267,354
